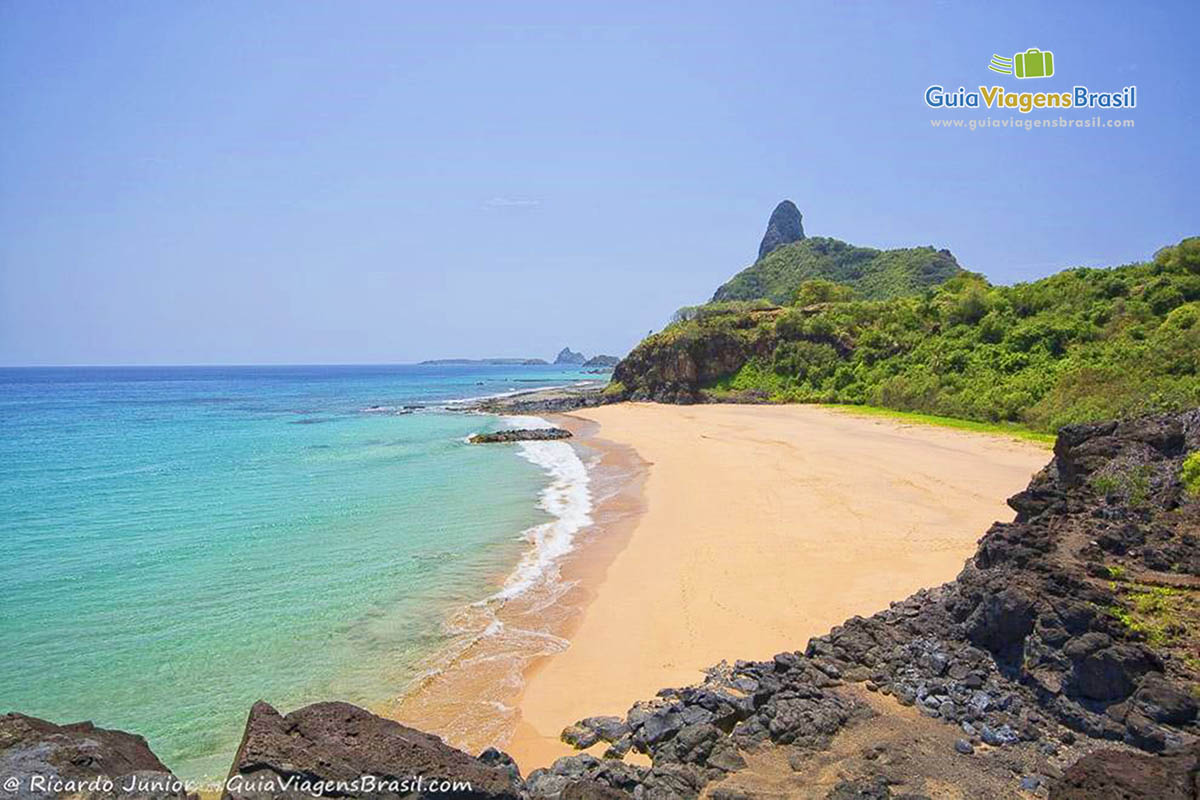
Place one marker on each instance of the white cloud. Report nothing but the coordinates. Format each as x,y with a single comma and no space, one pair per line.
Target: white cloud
512,202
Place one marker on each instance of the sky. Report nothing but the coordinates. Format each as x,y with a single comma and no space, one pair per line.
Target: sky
260,182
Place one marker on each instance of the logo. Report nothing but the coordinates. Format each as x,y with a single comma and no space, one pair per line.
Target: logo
1033,63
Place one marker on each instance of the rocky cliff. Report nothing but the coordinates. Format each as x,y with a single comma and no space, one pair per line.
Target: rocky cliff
1062,662
784,227
675,365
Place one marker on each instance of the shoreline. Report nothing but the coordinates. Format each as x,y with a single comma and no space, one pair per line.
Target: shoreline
556,658
469,697
677,593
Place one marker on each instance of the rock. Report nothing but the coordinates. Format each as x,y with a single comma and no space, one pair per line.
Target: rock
1124,774
725,757
590,790
339,742
521,435
1112,672
619,748
784,227
609,729
1164,701
1030,783
964,747
52,761
998,737
579,736
498,758
569,356
601,362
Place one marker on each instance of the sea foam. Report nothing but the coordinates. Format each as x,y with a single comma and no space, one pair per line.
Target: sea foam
568,499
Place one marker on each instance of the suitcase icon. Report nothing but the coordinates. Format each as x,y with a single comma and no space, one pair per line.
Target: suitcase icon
1034,63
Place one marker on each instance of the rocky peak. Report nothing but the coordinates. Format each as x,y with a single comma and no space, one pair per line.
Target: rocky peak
569,356
784,227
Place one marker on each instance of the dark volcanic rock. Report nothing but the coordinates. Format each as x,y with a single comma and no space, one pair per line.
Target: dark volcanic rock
521,435
338,744
784,227
1118,774
569,356
52,761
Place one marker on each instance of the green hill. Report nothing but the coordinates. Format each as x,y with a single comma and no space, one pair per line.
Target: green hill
1084,344
873,274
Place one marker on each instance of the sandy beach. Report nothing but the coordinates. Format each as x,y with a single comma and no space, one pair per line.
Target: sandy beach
762,526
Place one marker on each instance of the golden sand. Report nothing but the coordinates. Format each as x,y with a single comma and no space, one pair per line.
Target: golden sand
763,526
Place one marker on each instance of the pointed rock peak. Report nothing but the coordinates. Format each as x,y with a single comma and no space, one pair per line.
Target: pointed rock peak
783,228
569,356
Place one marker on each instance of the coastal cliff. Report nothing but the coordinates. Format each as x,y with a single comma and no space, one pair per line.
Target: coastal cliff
1061,662
1081,345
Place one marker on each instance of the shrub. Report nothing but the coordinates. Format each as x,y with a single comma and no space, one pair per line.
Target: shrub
1189,474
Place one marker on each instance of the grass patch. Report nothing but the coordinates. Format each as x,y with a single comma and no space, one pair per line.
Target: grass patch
1162,614
614,389
1189,474
1130,483
1003,428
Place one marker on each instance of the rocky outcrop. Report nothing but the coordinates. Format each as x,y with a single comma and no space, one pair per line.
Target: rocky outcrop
784,227
567,356
602,361
521,435
353,753
673,368
53,761
1124,774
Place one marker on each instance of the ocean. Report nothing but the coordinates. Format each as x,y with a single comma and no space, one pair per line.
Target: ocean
180,542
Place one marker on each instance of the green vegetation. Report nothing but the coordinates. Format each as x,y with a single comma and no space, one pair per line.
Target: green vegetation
1162,614
1129,483
1189,474
871,274
1005,428
614,389
1116,572
1081,345
721,309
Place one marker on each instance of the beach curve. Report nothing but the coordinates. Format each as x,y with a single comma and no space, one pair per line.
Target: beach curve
763,526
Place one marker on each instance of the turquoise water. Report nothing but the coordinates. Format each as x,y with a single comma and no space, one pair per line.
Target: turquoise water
181,542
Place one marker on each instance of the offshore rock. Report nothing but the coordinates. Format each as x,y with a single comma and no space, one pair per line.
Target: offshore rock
521,435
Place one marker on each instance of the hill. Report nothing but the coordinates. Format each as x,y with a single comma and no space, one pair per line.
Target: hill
1081,345
873,274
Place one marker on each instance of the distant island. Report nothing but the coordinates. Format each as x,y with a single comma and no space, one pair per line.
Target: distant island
569,356
565,357
495,362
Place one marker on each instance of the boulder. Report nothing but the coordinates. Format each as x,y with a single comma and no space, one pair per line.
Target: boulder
1125,774
356,754
521,435
52,761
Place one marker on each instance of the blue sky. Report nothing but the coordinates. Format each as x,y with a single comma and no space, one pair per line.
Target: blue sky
383,182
